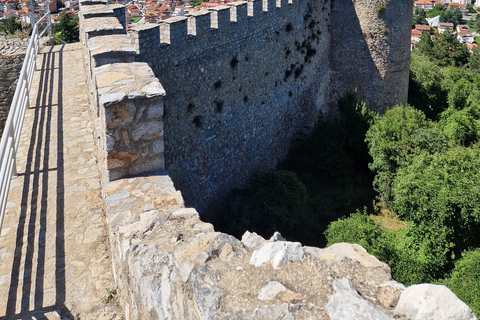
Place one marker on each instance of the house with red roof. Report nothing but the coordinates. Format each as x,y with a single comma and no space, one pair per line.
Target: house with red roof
462,7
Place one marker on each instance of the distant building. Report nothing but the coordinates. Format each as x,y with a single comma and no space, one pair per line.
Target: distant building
433,22
422,28
443,26
465,37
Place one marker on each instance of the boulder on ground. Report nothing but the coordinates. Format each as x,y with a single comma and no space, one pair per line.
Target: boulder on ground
432,302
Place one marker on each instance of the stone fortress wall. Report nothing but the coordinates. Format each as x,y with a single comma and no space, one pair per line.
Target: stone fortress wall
12,52
167,263
370,50
242,82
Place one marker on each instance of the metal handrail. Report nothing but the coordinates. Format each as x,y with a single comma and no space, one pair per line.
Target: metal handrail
20,102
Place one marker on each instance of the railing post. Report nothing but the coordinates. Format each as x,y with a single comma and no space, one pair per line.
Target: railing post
49,18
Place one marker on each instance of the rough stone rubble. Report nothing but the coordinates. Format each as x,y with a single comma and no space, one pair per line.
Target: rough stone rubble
168,264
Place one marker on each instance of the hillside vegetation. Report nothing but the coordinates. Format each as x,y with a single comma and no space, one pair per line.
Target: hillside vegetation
423,214
426,160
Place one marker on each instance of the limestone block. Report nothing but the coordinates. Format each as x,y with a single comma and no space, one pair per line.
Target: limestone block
346,303
432,302
276,237
148,220
276,290
355,252
252,240
389,293
277,253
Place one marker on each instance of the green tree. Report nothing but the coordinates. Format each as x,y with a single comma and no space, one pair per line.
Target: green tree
459,93
449,51
470,8
453,15
440,190
361,229
394,139
419,17
465,279
462,127
66,29
10,25
436,11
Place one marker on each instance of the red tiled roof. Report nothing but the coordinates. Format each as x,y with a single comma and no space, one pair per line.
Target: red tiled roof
421,27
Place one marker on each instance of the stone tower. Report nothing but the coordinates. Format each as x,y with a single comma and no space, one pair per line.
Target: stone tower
370,50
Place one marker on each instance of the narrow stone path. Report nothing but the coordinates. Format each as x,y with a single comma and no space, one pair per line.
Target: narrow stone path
54,249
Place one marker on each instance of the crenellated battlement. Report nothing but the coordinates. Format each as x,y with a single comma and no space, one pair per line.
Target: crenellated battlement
207,23
220,94
262,70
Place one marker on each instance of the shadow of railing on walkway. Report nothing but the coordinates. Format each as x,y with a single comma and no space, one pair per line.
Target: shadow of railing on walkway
32,223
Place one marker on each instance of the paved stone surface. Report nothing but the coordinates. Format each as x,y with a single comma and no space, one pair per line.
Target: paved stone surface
54,251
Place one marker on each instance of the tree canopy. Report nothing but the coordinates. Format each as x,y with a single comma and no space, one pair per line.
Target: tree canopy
10,25
453,15
66,29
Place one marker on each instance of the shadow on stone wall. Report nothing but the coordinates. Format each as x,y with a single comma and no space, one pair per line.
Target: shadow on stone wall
370,50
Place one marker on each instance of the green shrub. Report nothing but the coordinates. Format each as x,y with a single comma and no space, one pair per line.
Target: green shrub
441,191
361,229
465,280
394,139
462,127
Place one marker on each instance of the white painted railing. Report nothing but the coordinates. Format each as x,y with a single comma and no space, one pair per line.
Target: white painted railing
14,123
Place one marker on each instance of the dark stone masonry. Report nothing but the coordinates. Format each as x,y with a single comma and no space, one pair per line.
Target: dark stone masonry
244,80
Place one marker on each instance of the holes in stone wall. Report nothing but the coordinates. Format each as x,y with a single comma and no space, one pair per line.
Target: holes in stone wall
190,107
289,27
245,99
218,106
198,121
298,71
234,62
217,84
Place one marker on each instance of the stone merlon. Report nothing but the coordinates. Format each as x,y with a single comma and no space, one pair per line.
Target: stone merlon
118,81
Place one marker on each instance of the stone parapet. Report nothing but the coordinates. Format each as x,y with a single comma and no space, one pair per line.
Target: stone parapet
126,97
97,10
111,49
168,264
99,26
145,38
131,119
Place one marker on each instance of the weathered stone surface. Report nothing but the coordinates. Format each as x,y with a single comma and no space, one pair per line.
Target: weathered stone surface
277,253
148,130
389,293
276,290
118,80
354,252
252,240
276,237
346,303
68,253
118,160
206,294
432,302
271,291
148,220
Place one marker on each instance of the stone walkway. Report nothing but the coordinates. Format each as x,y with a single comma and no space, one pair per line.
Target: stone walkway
54,250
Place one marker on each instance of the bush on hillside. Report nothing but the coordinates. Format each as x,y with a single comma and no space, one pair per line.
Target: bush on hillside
465,280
